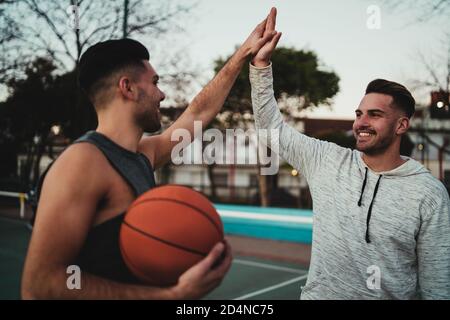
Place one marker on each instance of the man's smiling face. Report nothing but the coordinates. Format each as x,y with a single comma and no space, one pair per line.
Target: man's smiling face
376,123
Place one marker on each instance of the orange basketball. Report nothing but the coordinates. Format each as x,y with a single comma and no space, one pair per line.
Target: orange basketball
167,230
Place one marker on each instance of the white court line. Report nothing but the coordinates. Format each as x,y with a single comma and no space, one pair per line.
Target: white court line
277,286
269,217
267,266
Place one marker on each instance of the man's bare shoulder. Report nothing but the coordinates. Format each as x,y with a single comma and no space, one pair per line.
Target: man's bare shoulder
82,151
80,164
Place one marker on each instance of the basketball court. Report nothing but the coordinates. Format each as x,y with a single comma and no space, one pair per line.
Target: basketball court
259,270
251,278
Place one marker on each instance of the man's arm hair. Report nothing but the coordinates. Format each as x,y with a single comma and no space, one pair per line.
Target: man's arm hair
203,108
209,101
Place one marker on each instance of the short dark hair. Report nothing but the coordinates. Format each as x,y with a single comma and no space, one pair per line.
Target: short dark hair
401,96
105,58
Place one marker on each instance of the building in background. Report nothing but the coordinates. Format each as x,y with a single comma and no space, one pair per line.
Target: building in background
430,133
238,183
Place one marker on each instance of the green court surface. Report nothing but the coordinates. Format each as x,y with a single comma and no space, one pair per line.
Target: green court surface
248,278
14,237
251,278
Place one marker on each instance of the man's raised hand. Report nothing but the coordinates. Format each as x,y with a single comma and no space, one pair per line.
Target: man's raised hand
261,35
262,57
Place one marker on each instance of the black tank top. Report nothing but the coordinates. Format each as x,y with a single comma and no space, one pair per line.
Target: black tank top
100,254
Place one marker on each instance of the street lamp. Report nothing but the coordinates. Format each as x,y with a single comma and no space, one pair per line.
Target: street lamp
56,129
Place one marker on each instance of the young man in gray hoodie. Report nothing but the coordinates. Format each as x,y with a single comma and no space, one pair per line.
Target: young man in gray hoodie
381,220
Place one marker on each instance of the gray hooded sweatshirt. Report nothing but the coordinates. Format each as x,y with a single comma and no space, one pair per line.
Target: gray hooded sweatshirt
376,235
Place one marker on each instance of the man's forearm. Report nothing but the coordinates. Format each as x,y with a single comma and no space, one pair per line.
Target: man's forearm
297,149
93,287
211,99
265,108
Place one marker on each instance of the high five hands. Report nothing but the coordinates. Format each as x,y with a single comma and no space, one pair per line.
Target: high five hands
262,41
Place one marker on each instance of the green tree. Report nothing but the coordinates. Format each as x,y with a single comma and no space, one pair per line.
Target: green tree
41,44
339,137
301,82
297,74
36,103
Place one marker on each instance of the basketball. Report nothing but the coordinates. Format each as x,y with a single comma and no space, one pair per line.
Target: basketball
167,230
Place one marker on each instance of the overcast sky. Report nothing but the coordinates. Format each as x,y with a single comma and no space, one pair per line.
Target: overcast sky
336,30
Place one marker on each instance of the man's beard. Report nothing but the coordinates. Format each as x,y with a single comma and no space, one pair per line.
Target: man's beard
148,120
379,147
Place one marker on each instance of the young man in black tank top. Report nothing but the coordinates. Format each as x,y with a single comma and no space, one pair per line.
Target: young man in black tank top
83,193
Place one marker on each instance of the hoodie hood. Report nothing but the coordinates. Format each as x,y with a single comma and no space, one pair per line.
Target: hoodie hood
410,168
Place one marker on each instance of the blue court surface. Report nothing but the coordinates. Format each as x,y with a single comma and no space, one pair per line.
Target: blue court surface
293,225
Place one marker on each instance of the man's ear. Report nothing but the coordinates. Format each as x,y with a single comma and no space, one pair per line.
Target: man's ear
403,125
127,88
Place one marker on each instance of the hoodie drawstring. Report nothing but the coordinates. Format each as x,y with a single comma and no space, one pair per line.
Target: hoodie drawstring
362,190
369,213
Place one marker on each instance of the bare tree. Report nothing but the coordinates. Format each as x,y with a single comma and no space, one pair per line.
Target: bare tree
433,69
434,62
61,30
425,9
